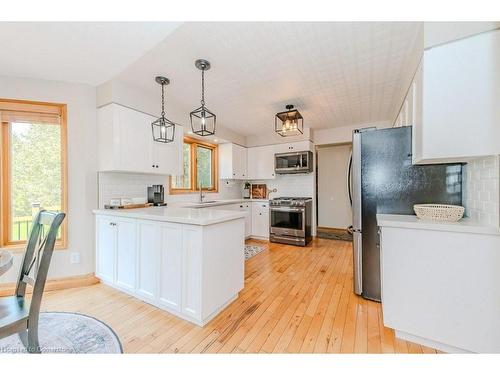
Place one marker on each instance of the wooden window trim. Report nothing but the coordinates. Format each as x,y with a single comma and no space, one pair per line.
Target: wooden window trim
194,143
41,107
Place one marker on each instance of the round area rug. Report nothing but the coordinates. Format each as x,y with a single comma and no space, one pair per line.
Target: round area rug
63,332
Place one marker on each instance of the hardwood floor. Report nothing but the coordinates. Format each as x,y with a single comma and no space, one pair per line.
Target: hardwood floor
295,300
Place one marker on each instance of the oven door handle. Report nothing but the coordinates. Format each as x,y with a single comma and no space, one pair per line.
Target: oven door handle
287,209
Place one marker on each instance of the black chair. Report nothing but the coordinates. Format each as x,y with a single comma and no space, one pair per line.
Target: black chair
17,314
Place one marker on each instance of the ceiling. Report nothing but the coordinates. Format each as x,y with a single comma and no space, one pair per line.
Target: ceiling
83,52
335,73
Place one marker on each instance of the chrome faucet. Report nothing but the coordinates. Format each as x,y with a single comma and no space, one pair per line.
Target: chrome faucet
201,194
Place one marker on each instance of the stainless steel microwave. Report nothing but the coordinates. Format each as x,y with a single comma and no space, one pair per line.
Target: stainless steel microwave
293,162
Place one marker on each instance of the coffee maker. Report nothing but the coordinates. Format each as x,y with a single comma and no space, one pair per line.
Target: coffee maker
156,195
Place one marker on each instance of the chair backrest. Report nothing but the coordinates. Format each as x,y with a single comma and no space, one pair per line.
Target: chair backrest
36,260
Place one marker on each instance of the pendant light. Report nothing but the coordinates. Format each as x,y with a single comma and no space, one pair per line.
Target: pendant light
202,120
163,129
289,123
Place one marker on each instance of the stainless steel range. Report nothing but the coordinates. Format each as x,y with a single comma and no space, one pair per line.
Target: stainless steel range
291,220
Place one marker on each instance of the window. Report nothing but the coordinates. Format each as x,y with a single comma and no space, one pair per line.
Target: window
199,167
33,167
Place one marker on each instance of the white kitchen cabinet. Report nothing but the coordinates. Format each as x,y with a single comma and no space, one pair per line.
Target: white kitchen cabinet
261,163
244,206
115,244
125,253
171,266
293,146
260,219
106,248
148,249
232,162
126,143
181,268
456,101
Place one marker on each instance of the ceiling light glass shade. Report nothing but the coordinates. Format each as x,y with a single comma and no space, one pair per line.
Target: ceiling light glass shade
203,120
162,128
289,123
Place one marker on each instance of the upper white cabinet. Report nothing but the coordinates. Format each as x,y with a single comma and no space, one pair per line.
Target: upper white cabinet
293,146
232,162
261,163
453,101
126,143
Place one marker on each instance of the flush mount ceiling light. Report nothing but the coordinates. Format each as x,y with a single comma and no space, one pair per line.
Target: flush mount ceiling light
202,120
163,129
289,123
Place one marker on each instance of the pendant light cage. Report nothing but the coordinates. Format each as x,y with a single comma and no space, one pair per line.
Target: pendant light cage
162,128
289,122
203,120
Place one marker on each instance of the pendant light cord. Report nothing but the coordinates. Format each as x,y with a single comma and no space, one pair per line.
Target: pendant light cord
203,88
162,101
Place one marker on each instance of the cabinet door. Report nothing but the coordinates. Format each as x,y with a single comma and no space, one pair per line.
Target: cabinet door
461,96
171,266
106,248
243,163
248,219
261,163
134,140
167,157
125,253
191,271
260,219
148,246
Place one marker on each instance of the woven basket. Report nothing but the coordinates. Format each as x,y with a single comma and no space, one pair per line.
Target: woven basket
439,212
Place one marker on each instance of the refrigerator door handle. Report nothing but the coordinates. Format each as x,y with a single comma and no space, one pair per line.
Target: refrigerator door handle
357,262
349,177
356,180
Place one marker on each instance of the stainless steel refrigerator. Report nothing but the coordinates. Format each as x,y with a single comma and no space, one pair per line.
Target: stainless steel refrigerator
383,180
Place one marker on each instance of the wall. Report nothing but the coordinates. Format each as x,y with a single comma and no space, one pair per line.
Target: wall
132,185
82,168
436,33
481,193
334,208
272,138
342,134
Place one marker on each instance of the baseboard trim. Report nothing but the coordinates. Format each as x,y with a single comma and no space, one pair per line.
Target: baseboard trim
430,343
55,284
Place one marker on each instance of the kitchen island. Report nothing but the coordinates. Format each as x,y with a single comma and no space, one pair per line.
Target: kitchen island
186,261
440,282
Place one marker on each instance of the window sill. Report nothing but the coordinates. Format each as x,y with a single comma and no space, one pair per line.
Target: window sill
180,191
19,248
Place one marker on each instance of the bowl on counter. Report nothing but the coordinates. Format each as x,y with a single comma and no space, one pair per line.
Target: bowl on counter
439,212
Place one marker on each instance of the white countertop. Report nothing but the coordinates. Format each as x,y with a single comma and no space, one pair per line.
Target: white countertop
176,215
218,202
464,225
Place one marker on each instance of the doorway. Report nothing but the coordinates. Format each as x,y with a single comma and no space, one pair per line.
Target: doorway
334,212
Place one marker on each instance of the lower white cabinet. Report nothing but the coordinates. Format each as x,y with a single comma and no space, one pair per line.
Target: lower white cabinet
245,207
116,255
180,268
148,248
125,253
260,219
171,263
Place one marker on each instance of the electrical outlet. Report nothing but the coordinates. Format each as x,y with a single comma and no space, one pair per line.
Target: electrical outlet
74,257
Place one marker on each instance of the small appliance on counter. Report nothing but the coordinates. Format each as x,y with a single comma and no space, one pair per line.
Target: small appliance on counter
258,191
156,195
246,190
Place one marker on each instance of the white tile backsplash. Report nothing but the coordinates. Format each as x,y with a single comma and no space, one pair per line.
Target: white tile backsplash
291,185
481,193
132,185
